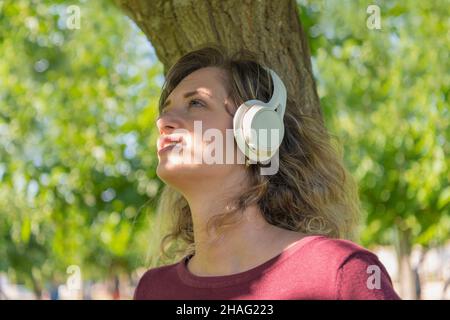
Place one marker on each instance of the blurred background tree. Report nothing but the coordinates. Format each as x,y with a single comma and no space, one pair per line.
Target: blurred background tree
385,94
77,171
77,130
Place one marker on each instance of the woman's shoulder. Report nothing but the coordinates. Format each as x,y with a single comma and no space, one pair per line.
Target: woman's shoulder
335,250
155,278
159,271
355,271
330,257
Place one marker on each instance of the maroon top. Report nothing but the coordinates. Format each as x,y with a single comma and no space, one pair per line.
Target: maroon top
314,267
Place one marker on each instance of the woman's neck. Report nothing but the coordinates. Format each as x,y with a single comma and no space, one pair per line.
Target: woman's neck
245,245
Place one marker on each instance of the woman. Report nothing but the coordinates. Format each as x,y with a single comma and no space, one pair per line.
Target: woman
245,235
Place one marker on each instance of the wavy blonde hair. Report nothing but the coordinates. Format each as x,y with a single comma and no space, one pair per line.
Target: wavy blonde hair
312,192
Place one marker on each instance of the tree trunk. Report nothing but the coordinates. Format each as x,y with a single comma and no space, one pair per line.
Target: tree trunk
37,289
405,271
272,29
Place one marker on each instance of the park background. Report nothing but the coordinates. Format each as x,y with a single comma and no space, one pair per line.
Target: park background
78,188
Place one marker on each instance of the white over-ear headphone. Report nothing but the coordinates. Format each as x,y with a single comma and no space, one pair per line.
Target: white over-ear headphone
254,115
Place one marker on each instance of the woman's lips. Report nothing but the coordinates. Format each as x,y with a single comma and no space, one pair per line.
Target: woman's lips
167,148
166,141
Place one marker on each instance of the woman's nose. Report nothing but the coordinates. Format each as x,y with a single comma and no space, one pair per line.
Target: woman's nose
168,122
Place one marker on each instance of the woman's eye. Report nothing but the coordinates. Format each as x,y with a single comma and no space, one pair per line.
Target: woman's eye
192,103
196,103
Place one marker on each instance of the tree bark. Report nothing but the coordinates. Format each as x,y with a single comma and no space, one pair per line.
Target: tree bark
272,29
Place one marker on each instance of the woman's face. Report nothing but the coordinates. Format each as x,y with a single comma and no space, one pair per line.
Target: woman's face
194,142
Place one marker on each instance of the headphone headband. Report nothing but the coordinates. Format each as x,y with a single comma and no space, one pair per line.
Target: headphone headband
279,95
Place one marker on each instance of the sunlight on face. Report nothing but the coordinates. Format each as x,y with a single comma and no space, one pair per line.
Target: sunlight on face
197,104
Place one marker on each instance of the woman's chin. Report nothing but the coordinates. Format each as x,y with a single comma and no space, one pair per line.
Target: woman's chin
171,172
167,169
178,176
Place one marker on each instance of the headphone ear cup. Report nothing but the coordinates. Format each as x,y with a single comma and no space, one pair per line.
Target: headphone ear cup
263,130
238,127
258,126
258,130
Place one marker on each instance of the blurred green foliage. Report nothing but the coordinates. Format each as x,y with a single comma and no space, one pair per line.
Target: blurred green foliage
385,94
77,128
77,112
